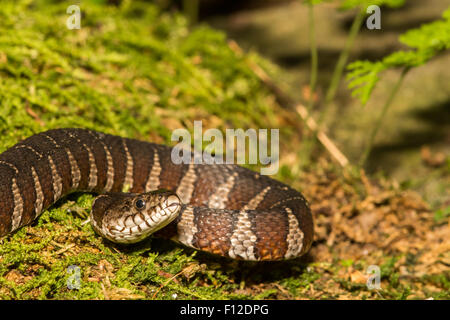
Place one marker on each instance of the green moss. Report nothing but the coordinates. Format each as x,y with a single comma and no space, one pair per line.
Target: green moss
116,71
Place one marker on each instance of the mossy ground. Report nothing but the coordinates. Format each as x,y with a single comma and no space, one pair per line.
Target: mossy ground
137,72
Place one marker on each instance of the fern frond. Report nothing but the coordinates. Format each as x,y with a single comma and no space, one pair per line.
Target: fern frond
425,43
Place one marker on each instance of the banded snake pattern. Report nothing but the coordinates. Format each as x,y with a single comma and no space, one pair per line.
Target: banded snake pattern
223,209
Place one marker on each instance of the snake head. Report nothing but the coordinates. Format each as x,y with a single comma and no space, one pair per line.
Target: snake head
132,217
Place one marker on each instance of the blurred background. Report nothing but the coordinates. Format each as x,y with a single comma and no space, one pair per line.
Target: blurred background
413,144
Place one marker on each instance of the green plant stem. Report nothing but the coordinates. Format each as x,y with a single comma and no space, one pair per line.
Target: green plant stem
310,140
381,117
314,57
342,61
191,8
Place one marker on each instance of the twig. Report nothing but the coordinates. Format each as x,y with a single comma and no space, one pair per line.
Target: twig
34,115
166,283
70,246
286,102
321,136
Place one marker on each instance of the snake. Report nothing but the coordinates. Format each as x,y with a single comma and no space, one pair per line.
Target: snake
224,209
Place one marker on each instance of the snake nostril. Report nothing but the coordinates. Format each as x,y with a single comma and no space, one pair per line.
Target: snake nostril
172,200
172,203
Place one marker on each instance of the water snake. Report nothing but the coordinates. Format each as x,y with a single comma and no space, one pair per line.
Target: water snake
223,209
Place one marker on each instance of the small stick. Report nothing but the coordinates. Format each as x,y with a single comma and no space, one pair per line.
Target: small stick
34,115
63,249
166,283
321,136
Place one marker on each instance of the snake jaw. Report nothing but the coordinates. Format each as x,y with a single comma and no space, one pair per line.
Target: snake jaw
172,204
119,219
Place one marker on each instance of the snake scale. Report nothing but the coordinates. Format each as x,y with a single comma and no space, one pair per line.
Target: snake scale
223,209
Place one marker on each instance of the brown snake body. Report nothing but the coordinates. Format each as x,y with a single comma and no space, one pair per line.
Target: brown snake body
222,209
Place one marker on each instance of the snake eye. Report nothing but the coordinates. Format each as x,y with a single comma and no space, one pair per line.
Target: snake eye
140,204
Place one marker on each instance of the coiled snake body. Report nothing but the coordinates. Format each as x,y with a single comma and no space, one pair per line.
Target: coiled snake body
222,209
